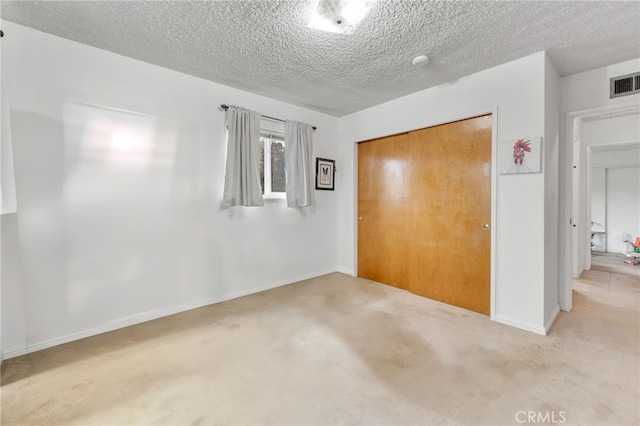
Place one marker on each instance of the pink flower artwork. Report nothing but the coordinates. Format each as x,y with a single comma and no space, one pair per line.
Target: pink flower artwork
519,150
523,156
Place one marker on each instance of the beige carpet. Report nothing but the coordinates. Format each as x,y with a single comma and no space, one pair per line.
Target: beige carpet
341,350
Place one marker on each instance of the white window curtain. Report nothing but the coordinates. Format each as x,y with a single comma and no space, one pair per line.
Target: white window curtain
242,177
7,178
298,163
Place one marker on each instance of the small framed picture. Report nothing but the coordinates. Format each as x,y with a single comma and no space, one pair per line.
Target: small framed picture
325,173
522,155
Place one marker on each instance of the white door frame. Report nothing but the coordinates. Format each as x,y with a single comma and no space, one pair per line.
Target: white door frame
577,236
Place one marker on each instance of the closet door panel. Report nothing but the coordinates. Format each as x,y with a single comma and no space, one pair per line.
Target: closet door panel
383,207
450,242
424,209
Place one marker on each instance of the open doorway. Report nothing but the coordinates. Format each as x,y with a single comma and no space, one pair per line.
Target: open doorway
606,154
613,204
603,128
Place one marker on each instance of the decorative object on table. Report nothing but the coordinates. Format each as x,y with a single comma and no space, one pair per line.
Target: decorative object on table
522,155
325,173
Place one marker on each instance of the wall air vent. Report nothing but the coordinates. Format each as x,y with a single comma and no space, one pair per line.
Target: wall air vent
624,85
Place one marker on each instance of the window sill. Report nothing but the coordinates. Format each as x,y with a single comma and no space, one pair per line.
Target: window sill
275,199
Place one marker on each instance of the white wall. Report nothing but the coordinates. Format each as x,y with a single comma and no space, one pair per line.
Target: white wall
623,207
119,170
1,352
551,202
590,89
2,105
13,305
519,221
606,193
582,94
615,194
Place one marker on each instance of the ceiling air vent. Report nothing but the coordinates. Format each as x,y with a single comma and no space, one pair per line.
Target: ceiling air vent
624,85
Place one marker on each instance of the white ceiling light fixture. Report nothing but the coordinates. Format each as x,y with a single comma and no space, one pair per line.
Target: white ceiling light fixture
339,16
420,61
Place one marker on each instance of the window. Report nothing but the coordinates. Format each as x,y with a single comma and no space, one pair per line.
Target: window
272,174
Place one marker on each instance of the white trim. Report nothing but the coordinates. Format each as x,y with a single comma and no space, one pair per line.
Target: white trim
14,352
275,199
346,271
552,318
622,166
494,212
355,207
521,325
269,196
152,315
493,110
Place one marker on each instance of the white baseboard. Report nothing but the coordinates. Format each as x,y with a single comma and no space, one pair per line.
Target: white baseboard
13,352
151,315
521,325
346,271
552,318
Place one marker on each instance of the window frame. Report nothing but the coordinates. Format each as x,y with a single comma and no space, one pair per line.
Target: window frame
267,136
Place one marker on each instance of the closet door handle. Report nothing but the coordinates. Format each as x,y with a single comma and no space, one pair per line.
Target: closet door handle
485,226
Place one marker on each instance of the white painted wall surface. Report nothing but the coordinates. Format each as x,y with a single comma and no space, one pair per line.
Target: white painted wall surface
2,105
551,183
620,156
590,89
119,170
1,351
520,205
14,333
582,93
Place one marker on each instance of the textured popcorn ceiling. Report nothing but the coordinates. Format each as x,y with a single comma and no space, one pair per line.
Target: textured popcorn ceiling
265,47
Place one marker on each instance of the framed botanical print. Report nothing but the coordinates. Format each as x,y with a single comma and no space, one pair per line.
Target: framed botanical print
325,173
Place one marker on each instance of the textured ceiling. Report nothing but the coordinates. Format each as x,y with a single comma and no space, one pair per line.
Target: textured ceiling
265,47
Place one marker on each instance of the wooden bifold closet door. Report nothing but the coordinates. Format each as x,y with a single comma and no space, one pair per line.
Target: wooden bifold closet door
424,209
